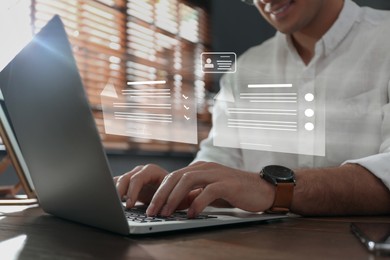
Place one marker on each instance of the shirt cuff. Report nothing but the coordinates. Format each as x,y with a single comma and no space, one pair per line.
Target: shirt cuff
378,164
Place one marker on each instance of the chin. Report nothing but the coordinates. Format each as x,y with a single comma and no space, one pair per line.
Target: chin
284,29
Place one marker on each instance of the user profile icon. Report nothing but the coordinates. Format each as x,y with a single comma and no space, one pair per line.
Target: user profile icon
209,64
218,62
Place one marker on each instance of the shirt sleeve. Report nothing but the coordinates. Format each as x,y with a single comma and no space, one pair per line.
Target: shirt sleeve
230,157
379,164
209,152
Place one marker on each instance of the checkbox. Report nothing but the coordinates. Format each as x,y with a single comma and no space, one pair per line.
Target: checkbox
184,96
186,107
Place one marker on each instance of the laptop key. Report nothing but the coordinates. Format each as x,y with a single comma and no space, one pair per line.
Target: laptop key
138,214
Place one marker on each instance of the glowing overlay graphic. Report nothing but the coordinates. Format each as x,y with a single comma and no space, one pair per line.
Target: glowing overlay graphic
152,112
218,62
271,117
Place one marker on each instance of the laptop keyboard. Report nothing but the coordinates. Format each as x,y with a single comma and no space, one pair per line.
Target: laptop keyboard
139,215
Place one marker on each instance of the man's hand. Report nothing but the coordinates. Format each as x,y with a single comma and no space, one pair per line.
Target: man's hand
139,184
203,183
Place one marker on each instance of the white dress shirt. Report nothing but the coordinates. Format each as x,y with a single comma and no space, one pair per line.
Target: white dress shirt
350,72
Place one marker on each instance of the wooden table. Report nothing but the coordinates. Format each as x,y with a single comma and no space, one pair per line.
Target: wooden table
32,234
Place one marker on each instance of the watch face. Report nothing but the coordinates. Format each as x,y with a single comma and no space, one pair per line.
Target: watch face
279,173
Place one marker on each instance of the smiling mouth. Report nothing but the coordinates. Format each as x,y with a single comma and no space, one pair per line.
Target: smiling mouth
275,10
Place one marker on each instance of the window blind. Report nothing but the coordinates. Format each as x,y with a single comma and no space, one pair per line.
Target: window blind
115,41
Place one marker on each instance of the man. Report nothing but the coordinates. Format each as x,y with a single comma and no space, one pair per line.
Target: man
330,45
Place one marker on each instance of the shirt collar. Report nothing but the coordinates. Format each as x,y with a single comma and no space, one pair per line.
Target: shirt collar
339,30
341,27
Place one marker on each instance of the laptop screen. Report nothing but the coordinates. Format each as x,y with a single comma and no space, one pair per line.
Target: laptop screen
56,131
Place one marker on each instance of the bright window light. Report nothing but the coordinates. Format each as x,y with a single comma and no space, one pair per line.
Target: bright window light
14,28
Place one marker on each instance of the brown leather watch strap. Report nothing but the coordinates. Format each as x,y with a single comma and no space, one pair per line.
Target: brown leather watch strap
283,198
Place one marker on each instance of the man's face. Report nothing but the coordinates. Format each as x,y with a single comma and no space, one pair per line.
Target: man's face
290,16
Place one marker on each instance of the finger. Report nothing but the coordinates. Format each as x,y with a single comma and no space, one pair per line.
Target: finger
186,202
122,182
166,187
188,182
146,175
209,194
115,179
162,193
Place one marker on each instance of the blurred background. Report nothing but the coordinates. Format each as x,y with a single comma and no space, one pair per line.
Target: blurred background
115,41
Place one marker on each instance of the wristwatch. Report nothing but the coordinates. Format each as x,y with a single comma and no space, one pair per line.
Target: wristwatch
284,180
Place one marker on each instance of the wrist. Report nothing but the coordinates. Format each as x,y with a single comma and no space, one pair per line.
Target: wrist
268,194
283,181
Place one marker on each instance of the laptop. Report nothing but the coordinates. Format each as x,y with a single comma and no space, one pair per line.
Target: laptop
58,138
